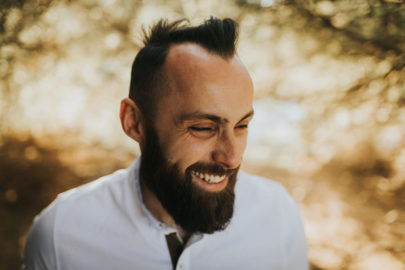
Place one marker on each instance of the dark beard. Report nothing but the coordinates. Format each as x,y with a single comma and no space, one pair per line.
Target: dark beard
193,209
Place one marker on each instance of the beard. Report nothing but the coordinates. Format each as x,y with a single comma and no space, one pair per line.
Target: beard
192,208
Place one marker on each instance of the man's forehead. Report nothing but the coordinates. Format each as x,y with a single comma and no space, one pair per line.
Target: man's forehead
201,80
188,62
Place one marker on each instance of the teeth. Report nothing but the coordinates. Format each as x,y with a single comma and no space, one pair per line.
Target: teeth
212,179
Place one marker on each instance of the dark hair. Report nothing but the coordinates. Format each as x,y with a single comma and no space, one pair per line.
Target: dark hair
148,81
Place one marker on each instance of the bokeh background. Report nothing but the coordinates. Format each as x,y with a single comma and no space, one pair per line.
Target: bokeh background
329,125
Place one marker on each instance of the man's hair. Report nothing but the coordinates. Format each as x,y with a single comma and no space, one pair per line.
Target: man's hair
148,82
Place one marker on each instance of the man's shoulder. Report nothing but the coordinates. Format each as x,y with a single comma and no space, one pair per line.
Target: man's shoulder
86,201
86,196
76,217
113,182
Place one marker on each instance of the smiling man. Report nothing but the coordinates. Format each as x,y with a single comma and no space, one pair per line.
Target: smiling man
183,204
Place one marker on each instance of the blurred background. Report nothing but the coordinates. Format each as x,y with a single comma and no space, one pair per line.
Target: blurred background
329,124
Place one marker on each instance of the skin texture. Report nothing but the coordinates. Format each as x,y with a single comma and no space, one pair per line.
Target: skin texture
204,117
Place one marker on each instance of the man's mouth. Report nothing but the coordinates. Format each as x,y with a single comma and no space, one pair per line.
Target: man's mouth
210,178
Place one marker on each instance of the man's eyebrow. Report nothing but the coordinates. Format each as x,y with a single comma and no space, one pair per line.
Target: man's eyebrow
249,114
200,115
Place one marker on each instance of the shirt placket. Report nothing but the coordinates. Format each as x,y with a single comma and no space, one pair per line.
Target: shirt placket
184,260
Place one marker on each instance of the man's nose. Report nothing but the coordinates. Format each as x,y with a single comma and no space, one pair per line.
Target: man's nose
228,150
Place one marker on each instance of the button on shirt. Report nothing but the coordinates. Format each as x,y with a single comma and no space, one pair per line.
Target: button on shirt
105,225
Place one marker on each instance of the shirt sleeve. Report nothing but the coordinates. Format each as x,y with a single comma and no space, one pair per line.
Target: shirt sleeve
39,252
296,245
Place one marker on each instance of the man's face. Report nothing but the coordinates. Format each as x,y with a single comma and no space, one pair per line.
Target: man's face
198,138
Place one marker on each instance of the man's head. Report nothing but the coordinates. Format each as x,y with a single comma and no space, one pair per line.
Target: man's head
189,107
148,80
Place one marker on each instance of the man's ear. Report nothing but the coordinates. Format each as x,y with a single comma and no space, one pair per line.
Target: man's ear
132,120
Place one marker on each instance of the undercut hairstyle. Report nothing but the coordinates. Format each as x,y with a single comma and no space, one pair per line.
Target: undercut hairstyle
148,83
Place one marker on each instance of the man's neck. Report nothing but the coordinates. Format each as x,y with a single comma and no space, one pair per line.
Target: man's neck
154,206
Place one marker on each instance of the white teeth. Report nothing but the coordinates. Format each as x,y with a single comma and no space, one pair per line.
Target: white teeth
213,179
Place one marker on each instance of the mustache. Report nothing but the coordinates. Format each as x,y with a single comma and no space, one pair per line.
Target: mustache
211,168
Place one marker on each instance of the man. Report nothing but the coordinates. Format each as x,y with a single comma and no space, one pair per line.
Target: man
183,204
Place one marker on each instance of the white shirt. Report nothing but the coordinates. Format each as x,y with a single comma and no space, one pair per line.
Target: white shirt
104,225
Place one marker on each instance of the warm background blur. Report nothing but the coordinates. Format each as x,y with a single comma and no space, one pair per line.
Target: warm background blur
329,123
